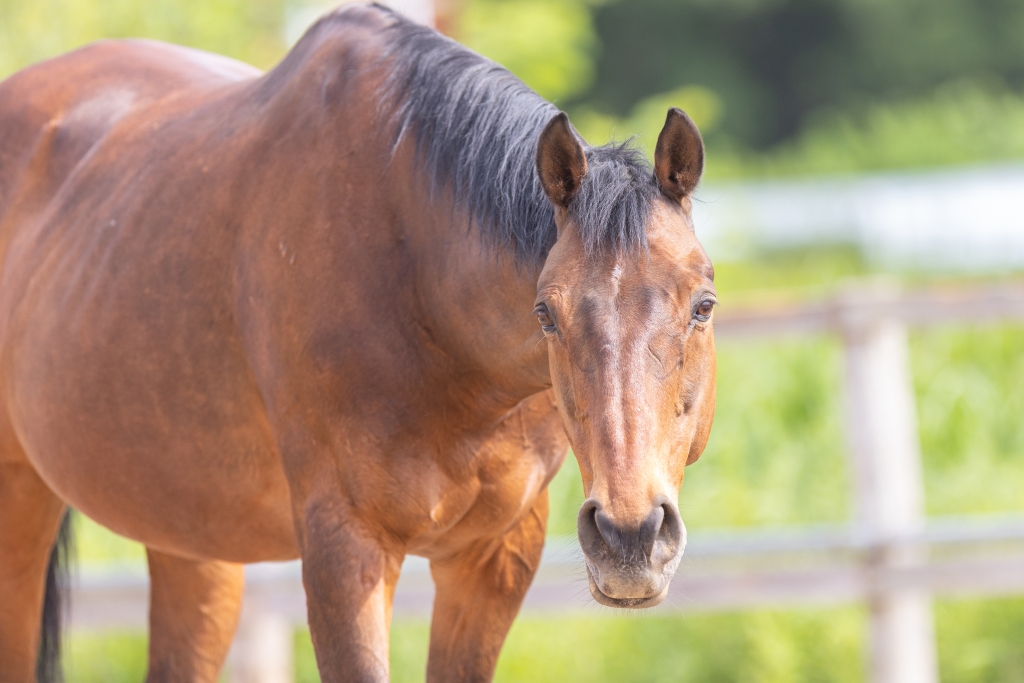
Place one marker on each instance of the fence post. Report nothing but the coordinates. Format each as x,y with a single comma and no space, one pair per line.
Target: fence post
262,649
887,479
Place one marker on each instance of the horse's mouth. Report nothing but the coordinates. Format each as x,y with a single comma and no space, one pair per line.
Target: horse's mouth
624,603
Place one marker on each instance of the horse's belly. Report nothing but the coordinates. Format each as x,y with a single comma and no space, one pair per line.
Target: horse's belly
200,492
140,411
214,495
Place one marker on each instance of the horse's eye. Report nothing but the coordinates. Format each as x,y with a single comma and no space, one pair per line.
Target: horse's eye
704,309
547,323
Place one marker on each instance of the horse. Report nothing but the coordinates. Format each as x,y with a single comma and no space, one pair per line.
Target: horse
356,307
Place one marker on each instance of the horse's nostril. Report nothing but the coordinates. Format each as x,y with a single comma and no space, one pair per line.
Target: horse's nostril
607,529
655,541
592,539
650,529
669,538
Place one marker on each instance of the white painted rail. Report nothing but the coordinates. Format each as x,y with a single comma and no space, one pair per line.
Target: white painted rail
890,555
969,556
960,218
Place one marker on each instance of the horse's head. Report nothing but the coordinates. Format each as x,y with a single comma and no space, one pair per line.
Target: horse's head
632,358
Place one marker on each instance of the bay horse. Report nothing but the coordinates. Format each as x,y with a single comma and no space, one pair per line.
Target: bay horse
354,308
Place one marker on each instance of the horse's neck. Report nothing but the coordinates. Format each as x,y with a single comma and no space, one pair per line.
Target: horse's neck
478,339
480,302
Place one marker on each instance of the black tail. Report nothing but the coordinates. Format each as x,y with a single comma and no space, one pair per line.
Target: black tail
55,604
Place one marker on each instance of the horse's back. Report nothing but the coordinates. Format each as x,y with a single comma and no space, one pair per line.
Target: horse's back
55,112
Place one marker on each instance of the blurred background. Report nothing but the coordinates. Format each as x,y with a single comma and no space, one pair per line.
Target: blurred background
846,139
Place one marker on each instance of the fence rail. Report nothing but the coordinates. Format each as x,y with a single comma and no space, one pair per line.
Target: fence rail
889,555
815,565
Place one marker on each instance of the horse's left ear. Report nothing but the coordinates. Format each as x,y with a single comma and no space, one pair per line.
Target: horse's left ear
679,156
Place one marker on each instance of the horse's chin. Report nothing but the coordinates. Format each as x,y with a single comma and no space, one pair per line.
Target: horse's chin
624,603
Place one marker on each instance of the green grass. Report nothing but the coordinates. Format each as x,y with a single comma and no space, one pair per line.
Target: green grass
108,657
979,642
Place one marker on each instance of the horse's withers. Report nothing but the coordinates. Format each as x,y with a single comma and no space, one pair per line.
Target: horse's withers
631,355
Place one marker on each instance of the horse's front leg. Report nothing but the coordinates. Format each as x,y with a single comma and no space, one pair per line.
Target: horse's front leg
349,575
478,596
193,611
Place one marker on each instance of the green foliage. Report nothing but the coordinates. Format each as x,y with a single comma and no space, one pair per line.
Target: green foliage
776,63
97,545
776,454
547,44
980,641
970,394
801,274
565,495
249,30
804,87
647,118
961,123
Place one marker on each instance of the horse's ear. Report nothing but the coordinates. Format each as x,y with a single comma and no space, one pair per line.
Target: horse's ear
679,156
561,161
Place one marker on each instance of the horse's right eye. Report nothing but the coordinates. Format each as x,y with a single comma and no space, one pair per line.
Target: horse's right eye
547,323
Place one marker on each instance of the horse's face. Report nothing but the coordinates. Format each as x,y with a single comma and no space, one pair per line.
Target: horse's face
632,361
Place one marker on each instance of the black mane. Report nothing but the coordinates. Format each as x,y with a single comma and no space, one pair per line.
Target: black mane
476,128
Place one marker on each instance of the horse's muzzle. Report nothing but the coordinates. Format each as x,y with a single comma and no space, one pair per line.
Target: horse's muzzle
630,566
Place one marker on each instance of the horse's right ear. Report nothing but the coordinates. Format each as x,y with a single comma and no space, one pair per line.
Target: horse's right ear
561,161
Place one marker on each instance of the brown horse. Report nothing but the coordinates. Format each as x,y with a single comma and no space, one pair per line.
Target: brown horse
249,317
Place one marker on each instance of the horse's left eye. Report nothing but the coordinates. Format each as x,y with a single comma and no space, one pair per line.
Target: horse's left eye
704,308
547,323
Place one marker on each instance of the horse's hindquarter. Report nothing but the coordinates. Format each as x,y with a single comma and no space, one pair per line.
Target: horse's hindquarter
122,372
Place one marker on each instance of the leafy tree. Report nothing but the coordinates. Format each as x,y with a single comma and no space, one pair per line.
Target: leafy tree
249,30
776,63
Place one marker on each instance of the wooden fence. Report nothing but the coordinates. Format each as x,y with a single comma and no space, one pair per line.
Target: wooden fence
889,555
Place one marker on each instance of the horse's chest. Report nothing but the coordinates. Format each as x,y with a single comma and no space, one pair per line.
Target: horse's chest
499,483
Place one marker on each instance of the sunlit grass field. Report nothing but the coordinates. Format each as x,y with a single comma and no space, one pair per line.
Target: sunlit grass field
776,457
